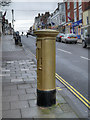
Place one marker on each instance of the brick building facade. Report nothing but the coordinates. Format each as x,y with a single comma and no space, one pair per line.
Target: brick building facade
74,17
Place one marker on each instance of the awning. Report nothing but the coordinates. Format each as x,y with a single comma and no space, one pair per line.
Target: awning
85,26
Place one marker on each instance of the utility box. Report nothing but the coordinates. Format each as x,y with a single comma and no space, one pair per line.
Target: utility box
46,60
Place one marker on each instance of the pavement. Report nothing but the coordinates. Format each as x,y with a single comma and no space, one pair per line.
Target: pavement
19,84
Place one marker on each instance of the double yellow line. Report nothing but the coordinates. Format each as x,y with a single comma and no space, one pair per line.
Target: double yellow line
74,91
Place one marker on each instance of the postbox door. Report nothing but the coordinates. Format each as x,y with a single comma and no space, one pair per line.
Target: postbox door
39,63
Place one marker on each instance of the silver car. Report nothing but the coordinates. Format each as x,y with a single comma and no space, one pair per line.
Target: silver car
68,38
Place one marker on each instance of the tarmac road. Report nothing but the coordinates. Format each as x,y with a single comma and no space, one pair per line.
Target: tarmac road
71,63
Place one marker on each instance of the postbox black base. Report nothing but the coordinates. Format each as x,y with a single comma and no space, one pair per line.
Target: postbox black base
46,98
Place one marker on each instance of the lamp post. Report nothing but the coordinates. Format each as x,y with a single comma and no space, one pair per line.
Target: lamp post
13,20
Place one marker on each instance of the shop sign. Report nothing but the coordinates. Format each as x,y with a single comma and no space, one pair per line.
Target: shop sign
69,24
77,23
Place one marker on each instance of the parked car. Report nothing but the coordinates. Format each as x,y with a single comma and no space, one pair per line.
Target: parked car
59,36
68,38
86,41
86,37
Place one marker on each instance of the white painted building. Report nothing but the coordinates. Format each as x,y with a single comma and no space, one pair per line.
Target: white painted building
58,17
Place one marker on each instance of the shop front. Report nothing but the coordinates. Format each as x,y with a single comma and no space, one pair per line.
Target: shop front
68,28
61,28
76,26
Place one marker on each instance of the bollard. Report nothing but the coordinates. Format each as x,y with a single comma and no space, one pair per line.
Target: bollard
45,55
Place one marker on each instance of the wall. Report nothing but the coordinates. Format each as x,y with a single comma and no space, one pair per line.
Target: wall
85,15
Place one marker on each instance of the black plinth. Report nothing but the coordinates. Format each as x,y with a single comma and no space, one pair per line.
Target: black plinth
46,98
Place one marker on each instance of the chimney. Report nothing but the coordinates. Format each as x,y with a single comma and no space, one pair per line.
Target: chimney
38,14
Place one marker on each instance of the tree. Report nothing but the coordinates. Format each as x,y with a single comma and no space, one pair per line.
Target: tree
5,2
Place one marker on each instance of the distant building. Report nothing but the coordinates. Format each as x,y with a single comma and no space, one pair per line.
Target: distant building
55,19
62,13
37,22
41,21
44,20
58,18
0,23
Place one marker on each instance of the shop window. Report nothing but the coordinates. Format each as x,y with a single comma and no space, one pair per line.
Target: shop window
63,18
87,21
68,5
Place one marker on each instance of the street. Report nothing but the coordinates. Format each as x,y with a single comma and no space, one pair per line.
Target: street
44,59
71,63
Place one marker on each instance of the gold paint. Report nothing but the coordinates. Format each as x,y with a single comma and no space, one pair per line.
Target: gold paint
46,52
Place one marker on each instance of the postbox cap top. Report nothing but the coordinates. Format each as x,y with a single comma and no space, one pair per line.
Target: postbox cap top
46,32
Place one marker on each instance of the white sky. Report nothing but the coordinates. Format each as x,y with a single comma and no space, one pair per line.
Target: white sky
37,0
26,10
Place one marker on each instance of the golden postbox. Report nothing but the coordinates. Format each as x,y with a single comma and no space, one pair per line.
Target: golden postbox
45,55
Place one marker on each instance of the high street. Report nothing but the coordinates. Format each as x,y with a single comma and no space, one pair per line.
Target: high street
71,63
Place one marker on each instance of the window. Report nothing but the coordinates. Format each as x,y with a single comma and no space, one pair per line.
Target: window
87,21
80,3
60,18
68,16
75,5
62,7
75,16
80,13
68,5
63,18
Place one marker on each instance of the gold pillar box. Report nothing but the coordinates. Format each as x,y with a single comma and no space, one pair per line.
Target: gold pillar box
45,55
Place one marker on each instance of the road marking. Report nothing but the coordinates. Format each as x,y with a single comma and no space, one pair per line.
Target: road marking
58,88
65,51
74,91
30,52
84,58
79,44
73,88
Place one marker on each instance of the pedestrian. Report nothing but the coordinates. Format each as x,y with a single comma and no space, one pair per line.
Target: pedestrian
27,35
17,38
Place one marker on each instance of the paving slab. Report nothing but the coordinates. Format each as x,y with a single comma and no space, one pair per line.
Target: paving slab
13,87
35,112
20,86
27,97
18,92
5,105
11,114
23,86
31,90
19,104
6,93
33,103
10,98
